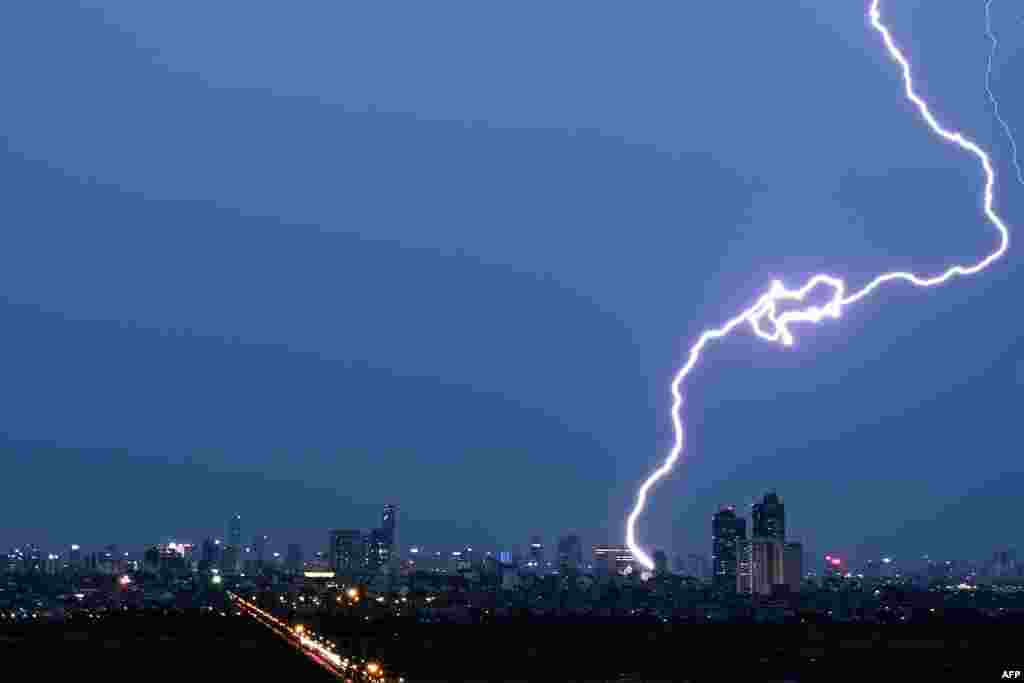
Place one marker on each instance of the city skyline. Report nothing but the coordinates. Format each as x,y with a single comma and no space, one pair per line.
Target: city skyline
735,561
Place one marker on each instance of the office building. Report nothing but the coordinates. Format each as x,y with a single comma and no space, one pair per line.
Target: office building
766,565
346,551
209,556
793,566
744,567
259,550
570,553
388,550
75,556
727,530
769,518
536,553
231,555
293,559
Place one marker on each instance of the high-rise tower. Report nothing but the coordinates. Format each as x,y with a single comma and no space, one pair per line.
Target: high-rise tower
727,534
769,518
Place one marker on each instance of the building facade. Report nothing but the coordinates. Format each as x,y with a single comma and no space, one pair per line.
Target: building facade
346,551
570,553
793,566
727,531
766,565
769,518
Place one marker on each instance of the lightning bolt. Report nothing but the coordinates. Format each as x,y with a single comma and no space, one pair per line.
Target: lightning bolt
991,95
764,316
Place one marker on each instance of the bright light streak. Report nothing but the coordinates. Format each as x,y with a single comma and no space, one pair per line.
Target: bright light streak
991,96
771,325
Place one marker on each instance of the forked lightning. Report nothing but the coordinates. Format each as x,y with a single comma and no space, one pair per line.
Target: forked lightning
770,323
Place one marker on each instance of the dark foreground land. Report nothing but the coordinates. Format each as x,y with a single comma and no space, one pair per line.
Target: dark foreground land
189,646
198,646
582,651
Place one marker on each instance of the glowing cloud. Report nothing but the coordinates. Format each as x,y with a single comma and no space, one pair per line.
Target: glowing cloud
764,317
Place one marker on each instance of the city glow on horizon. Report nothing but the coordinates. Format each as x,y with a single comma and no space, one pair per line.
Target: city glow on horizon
764,317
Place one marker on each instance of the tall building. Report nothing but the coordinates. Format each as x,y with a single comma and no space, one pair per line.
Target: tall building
388,551
259,549
377,550
209,554
347,552
293,560
767,544
793,566
745,567
766,565
75,556
769,518
727,530
536,553
570,553
235,531
231,556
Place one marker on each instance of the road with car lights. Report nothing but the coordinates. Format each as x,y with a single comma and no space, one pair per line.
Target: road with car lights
321,650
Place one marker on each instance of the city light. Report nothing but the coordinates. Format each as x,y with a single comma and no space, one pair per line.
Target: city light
768,323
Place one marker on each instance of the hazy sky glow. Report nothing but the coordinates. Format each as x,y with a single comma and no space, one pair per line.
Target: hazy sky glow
329,257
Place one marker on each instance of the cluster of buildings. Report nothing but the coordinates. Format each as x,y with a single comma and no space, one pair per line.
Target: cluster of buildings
356,554
750,556
31,559
761,564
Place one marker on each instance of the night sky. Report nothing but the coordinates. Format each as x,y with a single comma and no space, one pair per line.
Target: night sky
296,260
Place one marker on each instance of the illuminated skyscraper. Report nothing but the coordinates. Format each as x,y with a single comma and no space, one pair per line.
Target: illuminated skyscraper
766,566
231,556
744,567
767,544
388,550
727,531
769,518
536,553
347,551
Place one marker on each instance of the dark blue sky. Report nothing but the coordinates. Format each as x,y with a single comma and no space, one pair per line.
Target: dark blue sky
298,260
